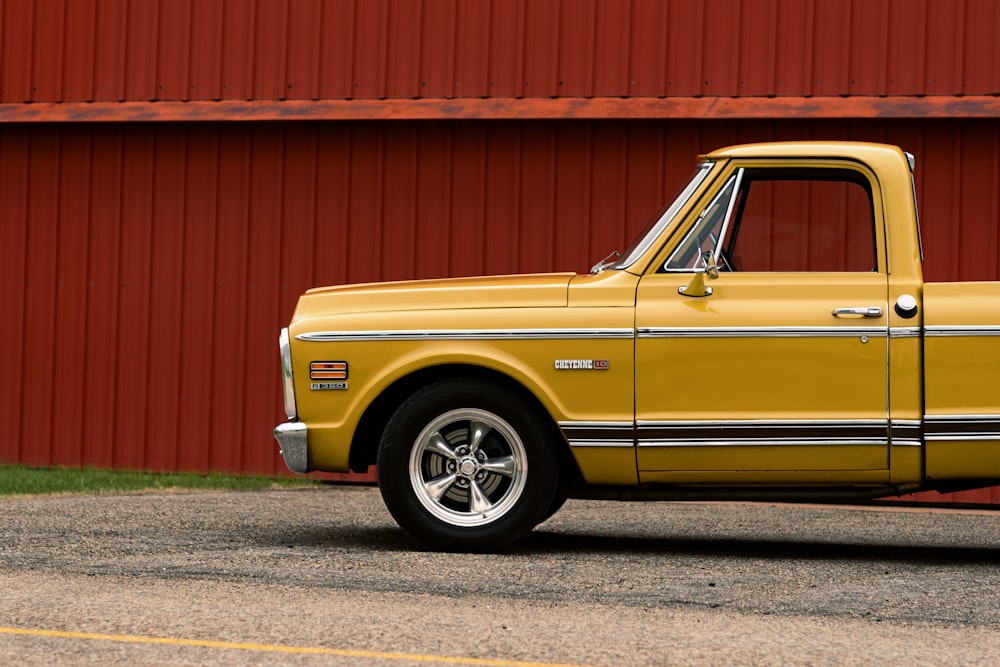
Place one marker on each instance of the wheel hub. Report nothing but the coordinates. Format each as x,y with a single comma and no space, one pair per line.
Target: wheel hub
468,466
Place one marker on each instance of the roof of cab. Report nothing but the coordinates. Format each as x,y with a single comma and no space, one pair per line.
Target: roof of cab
793,149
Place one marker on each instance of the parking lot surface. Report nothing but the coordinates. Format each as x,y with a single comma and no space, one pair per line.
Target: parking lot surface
323,576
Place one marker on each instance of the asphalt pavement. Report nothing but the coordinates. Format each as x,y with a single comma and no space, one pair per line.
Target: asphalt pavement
323,576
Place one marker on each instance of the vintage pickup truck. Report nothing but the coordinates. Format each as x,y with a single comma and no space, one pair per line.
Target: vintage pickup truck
768,336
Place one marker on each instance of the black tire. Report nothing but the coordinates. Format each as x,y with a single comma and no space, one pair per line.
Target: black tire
466,466
558,500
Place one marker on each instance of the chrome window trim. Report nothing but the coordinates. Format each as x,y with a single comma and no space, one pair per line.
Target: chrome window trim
729,214
762,332
945,330
736,179
461,334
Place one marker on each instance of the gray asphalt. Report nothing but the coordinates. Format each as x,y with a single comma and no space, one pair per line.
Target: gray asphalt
323,576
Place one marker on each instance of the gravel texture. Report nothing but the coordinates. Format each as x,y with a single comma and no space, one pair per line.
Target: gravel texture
600,583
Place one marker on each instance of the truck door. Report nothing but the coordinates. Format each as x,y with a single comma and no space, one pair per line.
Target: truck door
776,371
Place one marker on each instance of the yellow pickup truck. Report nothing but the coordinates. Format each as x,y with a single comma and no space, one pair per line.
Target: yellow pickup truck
768,336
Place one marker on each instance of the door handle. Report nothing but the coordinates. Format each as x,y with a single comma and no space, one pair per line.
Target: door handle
861,311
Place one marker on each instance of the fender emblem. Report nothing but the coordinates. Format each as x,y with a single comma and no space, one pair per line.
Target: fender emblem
323,386
582,364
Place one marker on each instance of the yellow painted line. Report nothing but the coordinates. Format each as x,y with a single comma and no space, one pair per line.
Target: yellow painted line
276,648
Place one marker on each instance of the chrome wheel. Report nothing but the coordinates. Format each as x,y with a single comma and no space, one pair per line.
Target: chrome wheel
468,467
453,465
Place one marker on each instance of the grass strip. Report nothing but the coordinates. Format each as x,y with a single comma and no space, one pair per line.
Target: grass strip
24,480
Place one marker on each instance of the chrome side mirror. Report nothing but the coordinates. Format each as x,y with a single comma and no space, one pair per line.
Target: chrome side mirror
697,286
711,267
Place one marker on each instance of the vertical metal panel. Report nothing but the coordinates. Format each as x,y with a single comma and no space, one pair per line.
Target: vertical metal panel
81,26
270,50
304,31
41,298
471,55
147,268
142,45
104,218
224,333
83,50
134,255
206,44
109,53
47,55
237,50
14,204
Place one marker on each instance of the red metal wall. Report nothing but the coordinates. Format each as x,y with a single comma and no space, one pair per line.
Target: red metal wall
111,50
146,268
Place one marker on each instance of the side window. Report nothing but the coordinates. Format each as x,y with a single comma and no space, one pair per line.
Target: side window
791,220
797,223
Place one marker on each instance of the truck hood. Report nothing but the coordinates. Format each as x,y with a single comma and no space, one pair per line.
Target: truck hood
522,291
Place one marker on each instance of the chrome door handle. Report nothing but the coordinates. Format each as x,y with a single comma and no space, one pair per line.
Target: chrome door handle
862,311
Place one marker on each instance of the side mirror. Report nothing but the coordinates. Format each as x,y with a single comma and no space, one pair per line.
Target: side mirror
711,268
697,286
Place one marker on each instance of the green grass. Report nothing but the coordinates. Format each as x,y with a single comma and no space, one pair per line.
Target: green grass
22,480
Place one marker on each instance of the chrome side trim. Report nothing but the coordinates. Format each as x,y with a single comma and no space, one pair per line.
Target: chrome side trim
796,423
762,332
940,428
767,433
460,334
782,432
907,433
768,442
904,332
601,443
598,433
961,330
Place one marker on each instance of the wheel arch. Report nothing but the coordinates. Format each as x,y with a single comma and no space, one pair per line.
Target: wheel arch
364,444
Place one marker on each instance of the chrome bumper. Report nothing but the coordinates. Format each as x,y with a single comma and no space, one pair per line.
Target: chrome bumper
294,444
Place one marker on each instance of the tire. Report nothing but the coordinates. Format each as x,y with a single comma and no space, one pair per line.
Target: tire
558,500
466,466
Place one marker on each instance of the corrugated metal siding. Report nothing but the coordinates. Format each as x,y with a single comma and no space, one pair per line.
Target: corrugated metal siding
111,50
146,268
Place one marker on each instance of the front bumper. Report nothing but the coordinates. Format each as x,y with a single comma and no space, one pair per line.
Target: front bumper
294,443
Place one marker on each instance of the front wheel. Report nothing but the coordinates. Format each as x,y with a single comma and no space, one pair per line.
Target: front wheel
466,466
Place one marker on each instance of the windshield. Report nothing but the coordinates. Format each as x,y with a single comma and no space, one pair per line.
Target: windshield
662,219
